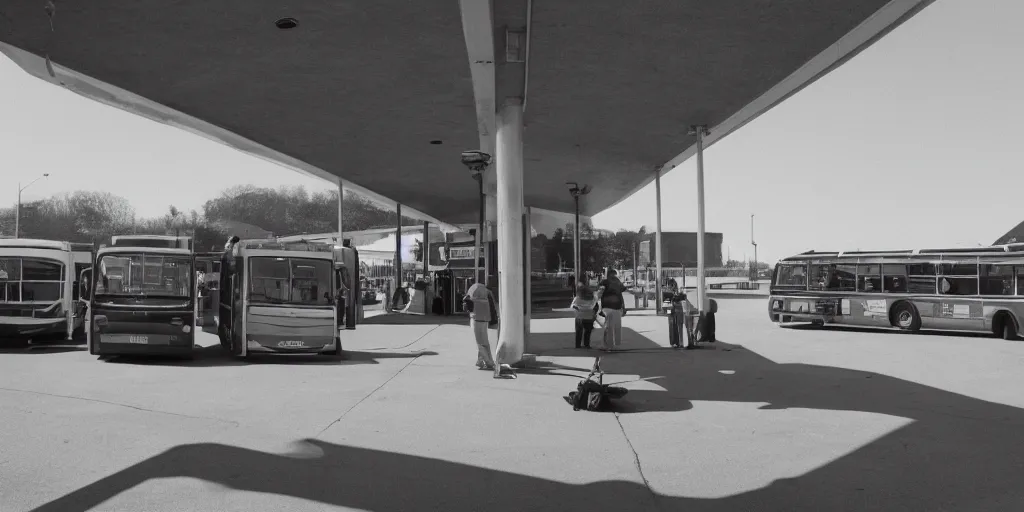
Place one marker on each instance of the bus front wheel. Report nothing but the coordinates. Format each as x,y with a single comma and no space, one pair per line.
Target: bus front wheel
905,317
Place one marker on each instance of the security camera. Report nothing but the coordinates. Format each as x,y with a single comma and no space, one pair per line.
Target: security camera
476,160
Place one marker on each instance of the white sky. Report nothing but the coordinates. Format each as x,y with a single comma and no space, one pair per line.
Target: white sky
903,147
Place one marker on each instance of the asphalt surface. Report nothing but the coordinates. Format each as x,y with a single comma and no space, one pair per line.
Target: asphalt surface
768,419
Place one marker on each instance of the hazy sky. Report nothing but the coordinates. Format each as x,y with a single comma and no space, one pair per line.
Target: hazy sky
903,147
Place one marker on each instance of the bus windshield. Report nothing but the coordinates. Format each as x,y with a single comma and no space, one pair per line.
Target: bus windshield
30,280
291,281
145,275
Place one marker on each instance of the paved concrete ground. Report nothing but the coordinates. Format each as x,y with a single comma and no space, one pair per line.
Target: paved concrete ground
768,419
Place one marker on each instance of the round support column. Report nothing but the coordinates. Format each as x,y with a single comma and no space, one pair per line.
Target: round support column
509,171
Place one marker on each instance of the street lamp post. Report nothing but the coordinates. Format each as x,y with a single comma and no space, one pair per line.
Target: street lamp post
753,275
477,161
17,213
576,191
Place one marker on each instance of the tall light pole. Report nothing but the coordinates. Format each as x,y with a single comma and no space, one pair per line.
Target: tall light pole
17,213
753,275
576,191
477,161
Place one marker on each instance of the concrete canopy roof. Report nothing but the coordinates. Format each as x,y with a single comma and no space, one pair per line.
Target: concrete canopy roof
359,90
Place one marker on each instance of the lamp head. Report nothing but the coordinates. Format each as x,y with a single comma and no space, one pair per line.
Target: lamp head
576,190
476,160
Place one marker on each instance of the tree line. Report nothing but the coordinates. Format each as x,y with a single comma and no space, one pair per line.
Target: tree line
258,212
93,217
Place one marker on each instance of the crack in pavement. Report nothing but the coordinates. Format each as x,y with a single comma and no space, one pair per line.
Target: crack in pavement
378,388
117,404
363,399
636,462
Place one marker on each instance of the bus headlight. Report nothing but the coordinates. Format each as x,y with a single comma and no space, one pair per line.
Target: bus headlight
777,305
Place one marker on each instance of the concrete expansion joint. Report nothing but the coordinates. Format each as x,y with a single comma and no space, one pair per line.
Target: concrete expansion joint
368,395
119,404
636,459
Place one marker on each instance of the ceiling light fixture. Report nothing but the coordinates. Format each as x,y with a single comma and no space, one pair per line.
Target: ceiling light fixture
286,23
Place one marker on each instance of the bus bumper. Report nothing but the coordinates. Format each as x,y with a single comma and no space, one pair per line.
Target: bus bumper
24,327
109,347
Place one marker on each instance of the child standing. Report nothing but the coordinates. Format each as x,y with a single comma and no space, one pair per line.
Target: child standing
585,305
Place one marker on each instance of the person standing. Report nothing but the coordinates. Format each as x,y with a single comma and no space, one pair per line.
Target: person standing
585,305
478,301
612,305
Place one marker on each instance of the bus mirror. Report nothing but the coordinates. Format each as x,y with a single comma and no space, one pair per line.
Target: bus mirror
84,279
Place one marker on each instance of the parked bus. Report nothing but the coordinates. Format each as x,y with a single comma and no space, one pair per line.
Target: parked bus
974,289
142,299
278,297
39,289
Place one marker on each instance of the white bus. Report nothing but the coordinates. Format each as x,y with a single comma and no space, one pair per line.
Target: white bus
280,297
39,289
974,289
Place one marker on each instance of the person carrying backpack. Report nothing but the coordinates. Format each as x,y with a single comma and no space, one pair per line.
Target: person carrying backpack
613,306
585,305
479,302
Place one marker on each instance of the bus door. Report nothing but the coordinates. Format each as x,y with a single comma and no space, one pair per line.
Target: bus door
84,293
239,294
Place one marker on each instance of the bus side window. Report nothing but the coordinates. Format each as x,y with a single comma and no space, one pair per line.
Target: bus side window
895,278
792,275
997,280
958,279
869,278
1020,280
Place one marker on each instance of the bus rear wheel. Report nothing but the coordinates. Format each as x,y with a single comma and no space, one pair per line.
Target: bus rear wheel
1004,326
905,317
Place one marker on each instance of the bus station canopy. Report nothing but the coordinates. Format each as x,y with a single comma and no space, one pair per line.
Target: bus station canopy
387,94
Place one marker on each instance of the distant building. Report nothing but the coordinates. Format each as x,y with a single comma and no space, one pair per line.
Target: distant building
681,248
1013,236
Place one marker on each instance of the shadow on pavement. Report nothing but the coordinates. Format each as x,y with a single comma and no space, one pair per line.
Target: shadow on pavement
407,319
957,454
215,356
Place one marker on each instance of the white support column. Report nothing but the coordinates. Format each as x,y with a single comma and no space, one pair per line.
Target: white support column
490,236
527,270
341,215
509,167
700,131
425,254
398,252
576,259
657,242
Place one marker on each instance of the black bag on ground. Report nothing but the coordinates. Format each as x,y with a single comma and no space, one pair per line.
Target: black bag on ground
594,395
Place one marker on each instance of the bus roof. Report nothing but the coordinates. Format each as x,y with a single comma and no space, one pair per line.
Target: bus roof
995,250
82,246
274,245
143,250
168,241
34,243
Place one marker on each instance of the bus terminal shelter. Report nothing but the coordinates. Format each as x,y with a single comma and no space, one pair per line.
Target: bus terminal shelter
383,97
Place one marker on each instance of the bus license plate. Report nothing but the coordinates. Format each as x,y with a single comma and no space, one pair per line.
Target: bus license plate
138,340
291,344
